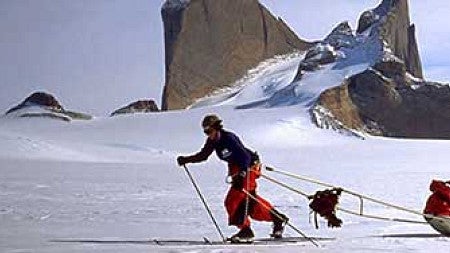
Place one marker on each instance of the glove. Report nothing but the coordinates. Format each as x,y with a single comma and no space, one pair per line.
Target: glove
182,160
238,180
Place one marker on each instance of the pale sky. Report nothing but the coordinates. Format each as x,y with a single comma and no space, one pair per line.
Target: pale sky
95,56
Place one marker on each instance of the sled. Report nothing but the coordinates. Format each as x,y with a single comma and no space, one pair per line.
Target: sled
442,225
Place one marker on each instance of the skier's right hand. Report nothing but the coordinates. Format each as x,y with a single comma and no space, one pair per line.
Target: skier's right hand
182,160
238,180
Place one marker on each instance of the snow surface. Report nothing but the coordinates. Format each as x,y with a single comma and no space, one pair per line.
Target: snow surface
116,178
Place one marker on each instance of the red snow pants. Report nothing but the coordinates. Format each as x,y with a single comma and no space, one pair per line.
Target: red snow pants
236,200
439,202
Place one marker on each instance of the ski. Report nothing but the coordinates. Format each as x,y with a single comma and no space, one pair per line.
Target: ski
271,240
205,241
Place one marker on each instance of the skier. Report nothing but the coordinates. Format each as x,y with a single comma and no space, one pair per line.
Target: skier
243,169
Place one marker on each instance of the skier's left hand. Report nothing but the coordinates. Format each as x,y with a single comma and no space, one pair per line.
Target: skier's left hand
182,160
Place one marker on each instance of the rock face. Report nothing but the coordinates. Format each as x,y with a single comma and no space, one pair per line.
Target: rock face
210,44
386,101
41,104
392,22
141,106
398,110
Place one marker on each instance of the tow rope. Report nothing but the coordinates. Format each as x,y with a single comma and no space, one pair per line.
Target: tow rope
359,196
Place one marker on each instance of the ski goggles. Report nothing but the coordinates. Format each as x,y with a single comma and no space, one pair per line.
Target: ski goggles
208,130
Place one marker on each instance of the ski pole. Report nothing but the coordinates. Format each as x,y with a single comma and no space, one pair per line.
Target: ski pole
204,203
279,217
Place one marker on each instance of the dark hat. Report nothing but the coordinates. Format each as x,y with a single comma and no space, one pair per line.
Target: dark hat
212,121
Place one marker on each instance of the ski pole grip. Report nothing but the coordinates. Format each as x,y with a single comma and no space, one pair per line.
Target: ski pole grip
269,168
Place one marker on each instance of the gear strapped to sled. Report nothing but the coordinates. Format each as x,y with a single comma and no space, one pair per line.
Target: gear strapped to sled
324,203
438,205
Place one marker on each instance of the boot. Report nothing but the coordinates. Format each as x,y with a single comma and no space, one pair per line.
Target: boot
245,235
279,222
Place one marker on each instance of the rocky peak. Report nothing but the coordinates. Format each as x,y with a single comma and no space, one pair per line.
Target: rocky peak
390,21
342,28
210,44
320,54
390,98
385,8
341,36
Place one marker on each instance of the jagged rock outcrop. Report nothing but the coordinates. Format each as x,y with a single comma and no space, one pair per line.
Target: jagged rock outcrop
392,22
325,52
141,106
41,104
386,101
389,23
320,54
210,44
399,110
341,36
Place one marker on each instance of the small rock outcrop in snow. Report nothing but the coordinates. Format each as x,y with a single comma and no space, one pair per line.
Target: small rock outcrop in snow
141,106
41,99
41,104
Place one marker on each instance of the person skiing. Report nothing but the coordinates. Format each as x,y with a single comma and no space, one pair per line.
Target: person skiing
243,169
